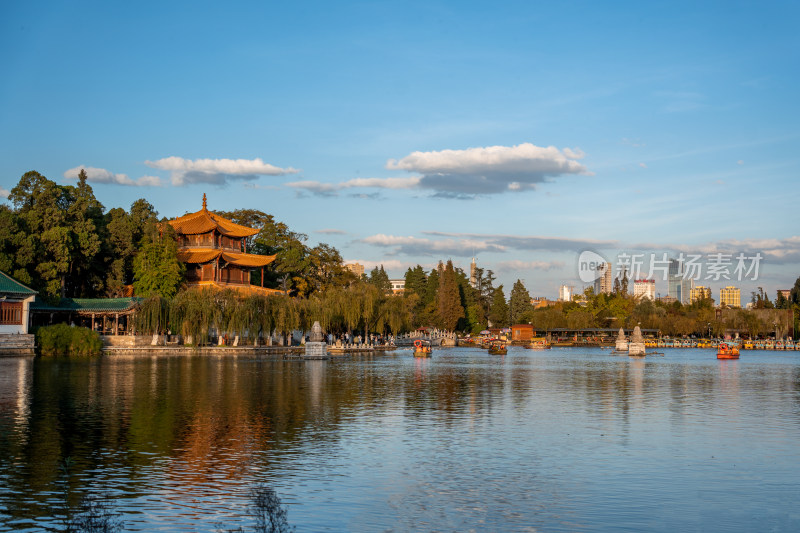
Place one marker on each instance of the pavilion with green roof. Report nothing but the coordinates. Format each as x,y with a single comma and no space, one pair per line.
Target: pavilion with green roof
107,316
15,301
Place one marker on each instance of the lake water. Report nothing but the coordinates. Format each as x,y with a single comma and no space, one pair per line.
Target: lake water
558,440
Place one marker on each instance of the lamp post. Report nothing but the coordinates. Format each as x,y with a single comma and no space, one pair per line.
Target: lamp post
709,331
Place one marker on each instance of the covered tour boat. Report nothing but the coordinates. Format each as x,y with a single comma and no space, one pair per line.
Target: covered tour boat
727,351
422,348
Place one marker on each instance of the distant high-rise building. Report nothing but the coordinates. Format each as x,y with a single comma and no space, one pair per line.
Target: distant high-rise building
473,274
644,288
730,296
678,286
700,293
604,283
356,268
398,285
565,293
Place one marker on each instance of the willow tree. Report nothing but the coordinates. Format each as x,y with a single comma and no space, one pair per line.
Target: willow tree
399,312
195,313
153,315
285,315
256,310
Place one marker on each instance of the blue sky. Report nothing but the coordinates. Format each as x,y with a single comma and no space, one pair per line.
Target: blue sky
405,133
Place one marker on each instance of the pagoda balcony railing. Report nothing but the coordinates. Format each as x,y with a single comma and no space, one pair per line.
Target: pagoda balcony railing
193,280
237,249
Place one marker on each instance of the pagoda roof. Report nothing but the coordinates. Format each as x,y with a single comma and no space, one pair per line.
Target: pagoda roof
9,285
89,305
204,255
204,221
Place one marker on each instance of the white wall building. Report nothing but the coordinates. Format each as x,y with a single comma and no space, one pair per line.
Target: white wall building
644,288
565,293
398,285
15,302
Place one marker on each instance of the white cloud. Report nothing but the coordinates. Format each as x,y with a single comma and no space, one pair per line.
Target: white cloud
421,246
332,189
216,171
315,187
331,231
4,193
781,251
491,169
531,243
643,165
740,162
101,175
391,266
577,153
516,265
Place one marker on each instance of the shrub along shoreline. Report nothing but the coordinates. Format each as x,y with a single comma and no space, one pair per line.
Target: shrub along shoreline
72,341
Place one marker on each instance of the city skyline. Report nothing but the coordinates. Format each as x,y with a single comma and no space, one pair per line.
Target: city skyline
521,135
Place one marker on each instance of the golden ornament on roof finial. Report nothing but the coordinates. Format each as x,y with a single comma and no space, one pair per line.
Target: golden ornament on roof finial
204,201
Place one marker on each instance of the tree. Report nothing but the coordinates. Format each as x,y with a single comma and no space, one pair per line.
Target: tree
448,299
8,229
142,214
87,228
43,235
781,302
326,268
156,268
380,279
794,294
519,302
120,249
498,312
415,281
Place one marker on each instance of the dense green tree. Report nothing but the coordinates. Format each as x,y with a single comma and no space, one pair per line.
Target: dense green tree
326,269
549,318
86,275
415,280
760,300
431,287
448,299
498,312
8,230
380,279
120,249
794,294
156,268
519,302
142,213
781,302
43,237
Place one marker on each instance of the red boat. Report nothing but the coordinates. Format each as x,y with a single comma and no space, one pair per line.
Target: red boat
727,351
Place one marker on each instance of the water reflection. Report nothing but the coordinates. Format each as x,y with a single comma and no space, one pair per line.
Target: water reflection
459,441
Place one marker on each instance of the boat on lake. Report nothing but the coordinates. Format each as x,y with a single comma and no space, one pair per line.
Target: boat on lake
539,343
497,348
422,348
727,351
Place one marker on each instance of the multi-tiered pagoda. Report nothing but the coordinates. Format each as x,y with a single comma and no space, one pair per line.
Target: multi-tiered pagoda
214,250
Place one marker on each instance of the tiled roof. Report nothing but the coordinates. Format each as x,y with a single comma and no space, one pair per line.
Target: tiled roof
9,285
248,260
90,305
204,255
196,256
204,221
